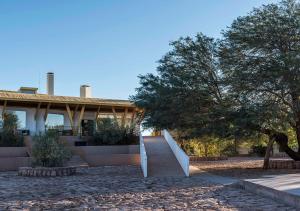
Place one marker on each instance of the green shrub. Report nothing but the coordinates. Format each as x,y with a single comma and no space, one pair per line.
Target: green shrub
110,133
9,136
209,147
47,151
203,147
229,150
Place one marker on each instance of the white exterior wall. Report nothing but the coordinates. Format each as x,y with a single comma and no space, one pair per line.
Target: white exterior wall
40,122
30,121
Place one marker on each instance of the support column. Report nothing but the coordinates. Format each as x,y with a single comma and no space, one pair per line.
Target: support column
30,120
70,115
80,118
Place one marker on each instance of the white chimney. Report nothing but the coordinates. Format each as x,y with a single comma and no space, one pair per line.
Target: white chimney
50,83
85,91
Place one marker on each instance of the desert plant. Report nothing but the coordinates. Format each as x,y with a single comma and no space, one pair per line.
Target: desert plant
47,151
9,136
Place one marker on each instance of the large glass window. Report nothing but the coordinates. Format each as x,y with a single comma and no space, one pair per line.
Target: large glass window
55,121
21,115
21,119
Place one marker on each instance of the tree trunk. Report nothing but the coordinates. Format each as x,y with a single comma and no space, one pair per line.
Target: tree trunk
282,140
268,153
235,145
298,134
205,150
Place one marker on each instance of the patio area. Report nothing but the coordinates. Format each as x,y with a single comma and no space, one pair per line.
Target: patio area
124,187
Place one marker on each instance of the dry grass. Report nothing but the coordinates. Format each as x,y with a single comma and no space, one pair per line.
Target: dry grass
239,167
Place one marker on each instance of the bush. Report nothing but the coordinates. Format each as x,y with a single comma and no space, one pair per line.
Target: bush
209,147
110,133
9,136
229,150
48,152
202,147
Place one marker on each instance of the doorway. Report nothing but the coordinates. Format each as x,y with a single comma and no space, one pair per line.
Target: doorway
87,127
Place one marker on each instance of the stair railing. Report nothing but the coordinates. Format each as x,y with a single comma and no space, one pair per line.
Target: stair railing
180,155
143,157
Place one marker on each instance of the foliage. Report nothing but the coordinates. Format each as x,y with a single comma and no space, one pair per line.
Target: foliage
47,151
110,133
9,136
240,87
208,147
260,62
259,150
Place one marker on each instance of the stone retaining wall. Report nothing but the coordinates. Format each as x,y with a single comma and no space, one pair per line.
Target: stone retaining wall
195,158
46,172
284,164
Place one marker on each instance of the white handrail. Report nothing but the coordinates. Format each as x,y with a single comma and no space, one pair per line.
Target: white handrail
143,157
180,155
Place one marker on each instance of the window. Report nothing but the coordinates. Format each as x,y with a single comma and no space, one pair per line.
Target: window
55,121
21,119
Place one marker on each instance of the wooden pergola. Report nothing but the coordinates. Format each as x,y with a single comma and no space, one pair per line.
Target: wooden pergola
73,106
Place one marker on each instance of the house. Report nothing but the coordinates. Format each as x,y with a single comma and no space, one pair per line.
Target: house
72,116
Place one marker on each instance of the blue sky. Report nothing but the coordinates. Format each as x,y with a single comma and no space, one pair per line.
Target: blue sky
103,43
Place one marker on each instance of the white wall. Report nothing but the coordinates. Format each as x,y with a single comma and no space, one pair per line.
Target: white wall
180,155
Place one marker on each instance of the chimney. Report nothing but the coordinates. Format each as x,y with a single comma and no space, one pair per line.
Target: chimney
85,91
50,83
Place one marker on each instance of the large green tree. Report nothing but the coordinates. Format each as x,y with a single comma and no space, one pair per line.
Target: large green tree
247,83
186,92
260,60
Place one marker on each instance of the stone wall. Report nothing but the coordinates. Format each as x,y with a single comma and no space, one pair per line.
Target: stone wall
284,164
46,172
108,155
13,152
11,158
13,163
196,158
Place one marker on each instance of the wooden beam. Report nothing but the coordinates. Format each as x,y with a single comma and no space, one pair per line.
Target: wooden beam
81,116
124,117
75,111
70,116
97,114
37,111
132,117
47,111
4,109
115,114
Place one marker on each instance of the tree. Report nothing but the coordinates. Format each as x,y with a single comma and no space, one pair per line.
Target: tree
9,136
186,90
247,84
260,59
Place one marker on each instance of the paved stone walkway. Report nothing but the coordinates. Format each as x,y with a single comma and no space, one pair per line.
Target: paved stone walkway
115,188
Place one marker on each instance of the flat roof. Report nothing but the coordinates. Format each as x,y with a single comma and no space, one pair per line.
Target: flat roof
44,98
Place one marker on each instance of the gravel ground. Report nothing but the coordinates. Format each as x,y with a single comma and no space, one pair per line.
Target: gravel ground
239,167
124,188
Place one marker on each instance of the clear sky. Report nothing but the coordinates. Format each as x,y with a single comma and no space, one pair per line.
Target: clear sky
103,43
